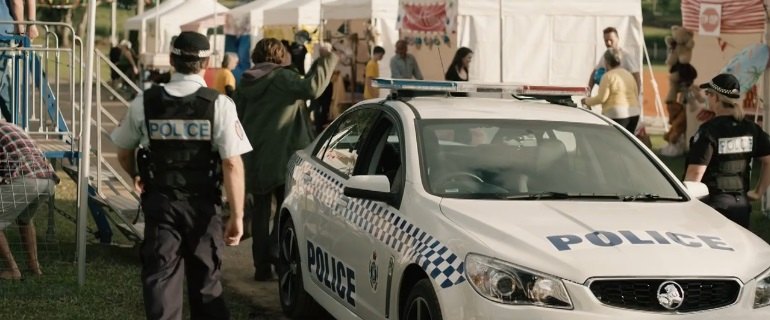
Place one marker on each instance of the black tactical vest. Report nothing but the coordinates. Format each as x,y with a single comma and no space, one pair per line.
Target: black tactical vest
181,163
728,171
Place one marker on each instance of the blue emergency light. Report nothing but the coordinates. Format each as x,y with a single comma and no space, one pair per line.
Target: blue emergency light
461,86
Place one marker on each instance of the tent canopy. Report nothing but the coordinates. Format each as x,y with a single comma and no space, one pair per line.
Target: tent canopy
358,9
135,22
205,23
542,42
294,12
590,8
569,41
191,10
247,18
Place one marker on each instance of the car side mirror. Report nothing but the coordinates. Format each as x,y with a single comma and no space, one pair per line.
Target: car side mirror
697,190
371,187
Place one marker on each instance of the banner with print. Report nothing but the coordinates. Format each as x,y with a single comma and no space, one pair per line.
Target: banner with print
427,22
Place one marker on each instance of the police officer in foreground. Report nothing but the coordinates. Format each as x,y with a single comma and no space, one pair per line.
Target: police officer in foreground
722,149
194,141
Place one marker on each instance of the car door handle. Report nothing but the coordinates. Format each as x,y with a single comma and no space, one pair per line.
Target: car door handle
341,204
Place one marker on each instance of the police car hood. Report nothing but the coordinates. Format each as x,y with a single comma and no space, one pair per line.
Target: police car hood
578,240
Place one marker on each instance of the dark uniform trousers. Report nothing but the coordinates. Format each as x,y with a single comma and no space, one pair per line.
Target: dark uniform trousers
733,206
264,248
182,237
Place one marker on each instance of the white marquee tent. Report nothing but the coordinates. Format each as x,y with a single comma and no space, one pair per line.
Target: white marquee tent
569,40
294,12
157,26
247,18
544,42
138,23
169,23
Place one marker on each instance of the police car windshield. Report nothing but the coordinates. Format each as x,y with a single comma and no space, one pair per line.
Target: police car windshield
510,159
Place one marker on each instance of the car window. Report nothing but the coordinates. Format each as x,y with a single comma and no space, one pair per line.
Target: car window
341,148
386,154
502,159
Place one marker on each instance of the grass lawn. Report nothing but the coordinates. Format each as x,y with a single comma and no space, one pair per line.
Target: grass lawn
112,289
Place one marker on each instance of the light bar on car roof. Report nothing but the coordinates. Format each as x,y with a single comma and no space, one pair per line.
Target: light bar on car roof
460,86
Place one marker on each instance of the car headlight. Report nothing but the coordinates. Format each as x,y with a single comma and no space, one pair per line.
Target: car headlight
762,295
503,282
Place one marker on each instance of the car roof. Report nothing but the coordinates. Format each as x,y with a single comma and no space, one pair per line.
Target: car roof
496,108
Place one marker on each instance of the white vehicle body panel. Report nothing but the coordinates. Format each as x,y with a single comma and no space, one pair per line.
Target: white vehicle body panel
635,240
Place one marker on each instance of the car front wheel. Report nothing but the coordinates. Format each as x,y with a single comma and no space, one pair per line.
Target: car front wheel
422,303
295,301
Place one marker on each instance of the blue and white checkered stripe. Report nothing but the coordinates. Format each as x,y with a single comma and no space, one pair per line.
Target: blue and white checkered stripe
392,229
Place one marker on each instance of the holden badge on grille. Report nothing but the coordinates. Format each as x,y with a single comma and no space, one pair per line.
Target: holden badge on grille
670,295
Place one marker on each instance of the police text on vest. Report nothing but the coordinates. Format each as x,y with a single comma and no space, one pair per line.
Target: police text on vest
176,129
736,145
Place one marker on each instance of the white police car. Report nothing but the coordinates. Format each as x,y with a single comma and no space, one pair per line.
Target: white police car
476,208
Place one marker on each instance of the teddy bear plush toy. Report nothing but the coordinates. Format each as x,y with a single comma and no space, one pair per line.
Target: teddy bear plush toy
681,76
680,45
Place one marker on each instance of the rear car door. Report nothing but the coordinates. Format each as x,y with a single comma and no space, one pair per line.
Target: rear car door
333,161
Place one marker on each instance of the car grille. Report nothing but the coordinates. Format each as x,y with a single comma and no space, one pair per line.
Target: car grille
641,294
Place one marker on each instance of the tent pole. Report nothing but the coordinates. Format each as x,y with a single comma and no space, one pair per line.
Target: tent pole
85,143
113,20
157,27
766,100
500,12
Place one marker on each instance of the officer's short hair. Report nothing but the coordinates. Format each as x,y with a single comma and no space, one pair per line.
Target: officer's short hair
190,52
268,50
379,50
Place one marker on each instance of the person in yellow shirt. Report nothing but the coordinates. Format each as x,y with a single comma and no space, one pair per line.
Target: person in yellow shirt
618,93
224,81
373,71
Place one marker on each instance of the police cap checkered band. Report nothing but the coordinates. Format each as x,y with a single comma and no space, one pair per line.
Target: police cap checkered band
191,44
724,84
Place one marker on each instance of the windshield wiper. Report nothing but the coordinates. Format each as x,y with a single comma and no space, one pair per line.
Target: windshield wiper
650,197
547,195
538,196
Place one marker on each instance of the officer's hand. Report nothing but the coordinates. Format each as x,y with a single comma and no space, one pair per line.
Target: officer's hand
138,185
233,231
753,195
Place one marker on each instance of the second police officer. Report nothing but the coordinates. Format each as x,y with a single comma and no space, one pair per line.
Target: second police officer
722,149
195,142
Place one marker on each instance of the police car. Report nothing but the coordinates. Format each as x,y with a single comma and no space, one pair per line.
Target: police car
481,208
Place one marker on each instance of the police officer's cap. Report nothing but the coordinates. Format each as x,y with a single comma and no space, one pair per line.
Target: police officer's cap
724,84
191,45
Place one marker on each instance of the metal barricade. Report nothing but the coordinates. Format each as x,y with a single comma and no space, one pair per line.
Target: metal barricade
44,88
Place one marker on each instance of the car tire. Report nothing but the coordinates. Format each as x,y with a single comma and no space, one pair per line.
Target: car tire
422,303
296,303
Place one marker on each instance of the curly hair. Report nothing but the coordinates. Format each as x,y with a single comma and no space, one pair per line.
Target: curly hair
268,50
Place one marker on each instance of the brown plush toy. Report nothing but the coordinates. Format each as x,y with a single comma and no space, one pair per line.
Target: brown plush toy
680,45
681,76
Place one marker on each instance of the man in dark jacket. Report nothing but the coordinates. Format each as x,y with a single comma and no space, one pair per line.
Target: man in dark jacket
270,101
